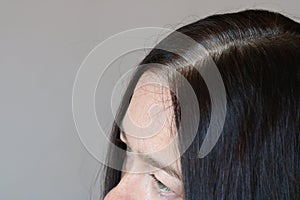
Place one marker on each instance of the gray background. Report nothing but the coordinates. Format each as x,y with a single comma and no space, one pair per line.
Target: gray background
42,44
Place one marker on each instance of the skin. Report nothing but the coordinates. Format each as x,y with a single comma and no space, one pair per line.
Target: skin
151,169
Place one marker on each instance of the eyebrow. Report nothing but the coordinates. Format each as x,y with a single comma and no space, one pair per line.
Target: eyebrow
150,160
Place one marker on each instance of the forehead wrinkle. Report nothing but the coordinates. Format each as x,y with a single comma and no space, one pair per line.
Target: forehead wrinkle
154,94
153,162
145,97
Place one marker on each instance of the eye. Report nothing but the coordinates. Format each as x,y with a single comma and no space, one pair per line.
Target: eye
128,148
160,185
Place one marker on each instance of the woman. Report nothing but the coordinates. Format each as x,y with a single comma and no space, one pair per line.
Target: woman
257,153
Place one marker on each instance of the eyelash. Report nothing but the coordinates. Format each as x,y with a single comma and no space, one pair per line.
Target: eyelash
160,185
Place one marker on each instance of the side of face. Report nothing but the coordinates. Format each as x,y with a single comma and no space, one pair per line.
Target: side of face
151,169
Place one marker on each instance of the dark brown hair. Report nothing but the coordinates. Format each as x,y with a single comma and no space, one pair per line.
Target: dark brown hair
257,53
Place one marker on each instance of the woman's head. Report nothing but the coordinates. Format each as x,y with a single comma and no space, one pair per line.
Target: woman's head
257,155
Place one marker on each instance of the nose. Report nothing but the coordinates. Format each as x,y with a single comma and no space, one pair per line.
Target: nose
127,189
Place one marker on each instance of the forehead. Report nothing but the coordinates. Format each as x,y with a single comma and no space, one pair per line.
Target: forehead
149,120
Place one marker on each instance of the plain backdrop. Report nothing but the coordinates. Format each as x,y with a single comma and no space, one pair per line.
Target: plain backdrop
42,44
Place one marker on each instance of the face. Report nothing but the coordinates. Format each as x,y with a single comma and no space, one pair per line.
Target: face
151,169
